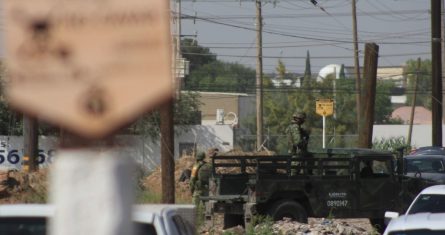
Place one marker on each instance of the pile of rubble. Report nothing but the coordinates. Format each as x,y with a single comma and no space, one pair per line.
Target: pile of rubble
153,181
314,227
21,187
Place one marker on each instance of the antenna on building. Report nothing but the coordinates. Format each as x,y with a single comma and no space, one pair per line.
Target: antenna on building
234,121
219,116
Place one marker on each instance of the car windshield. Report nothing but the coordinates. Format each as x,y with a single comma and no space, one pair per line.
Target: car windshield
425,165
418,232
37,226
433,203
23,226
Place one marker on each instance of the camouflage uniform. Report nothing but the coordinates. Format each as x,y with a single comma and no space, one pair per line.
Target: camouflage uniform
298,139
199,180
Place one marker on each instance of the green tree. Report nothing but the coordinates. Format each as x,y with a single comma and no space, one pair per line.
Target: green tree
281,102
186,112
222,76
383,107
307,69
197,55
281,69
423,82
342,74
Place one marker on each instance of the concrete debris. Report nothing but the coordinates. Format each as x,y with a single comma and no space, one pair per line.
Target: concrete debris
323,226
315,226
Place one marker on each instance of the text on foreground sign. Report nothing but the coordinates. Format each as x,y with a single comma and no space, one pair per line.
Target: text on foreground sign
324,107
88,66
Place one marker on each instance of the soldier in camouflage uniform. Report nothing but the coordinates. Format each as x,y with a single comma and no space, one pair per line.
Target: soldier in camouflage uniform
199,180
298,138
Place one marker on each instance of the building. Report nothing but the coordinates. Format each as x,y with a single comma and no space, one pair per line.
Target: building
230,107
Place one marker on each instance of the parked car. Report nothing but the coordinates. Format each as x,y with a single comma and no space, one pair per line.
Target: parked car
32,219
417,224
428,150
430,167
425,215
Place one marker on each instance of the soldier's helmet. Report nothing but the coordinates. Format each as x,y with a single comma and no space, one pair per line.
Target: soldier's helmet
200,156
299,115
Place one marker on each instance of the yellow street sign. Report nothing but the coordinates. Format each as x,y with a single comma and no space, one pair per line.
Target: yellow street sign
324,107
88,66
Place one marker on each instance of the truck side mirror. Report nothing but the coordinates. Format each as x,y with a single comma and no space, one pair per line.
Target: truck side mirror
389,215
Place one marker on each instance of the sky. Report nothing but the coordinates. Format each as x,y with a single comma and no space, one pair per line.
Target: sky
401,28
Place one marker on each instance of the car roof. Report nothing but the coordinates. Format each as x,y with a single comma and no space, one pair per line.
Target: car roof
354,152
428,150
436,189
435,156
141,213
26,210
432,221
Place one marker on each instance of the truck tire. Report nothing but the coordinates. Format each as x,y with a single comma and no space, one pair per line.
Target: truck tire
233,220
289,209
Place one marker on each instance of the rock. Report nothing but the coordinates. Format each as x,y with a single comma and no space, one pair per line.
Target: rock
238,230
4,175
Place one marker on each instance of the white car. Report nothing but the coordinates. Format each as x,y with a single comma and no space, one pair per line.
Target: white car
148,219
425,215
417,224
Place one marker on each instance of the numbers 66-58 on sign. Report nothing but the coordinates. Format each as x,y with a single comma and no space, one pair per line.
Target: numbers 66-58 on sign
15,157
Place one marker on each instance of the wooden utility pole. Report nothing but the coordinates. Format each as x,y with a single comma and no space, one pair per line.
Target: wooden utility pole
167,153
370,75
178,56
259,76
436,60
358,86
413,103
167,127
30,138
443,49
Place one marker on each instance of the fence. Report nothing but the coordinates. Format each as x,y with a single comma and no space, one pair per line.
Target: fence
278,143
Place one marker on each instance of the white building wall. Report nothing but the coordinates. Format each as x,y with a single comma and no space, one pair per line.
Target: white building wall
421,135
142,149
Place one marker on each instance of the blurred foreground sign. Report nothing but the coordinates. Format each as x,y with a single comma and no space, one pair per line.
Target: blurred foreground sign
90,66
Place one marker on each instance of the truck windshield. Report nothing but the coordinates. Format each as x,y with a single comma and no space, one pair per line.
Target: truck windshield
432,203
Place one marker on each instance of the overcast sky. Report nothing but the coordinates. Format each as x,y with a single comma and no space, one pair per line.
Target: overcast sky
401,28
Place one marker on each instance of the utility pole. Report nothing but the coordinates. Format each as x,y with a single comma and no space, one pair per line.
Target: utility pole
370,79
443,52
178,50
413,103
30,143
167,127
259,76
358,86
436,60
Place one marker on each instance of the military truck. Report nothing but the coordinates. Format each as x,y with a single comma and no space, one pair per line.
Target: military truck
337,183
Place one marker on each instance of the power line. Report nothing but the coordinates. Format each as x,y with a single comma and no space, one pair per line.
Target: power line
275,32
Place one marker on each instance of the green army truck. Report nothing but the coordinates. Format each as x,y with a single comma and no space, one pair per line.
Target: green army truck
337,183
